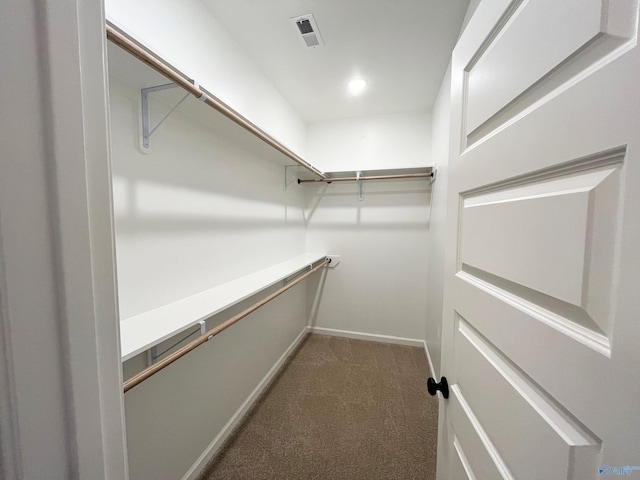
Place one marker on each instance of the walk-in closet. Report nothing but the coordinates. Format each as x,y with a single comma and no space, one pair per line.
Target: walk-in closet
224,196
302,239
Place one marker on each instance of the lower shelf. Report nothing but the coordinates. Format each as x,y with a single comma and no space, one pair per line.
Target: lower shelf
144,331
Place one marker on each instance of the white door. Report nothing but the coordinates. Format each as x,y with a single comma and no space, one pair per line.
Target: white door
541,334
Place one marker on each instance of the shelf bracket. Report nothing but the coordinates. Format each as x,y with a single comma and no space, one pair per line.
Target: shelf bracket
297,274
289,179
147,131
153,354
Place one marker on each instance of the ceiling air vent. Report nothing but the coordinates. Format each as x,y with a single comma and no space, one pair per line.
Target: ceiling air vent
308,30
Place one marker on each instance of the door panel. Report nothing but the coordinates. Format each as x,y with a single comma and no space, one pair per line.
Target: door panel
569,274
530,52
528,419
517,56
541,317
470,437
461,468
573,212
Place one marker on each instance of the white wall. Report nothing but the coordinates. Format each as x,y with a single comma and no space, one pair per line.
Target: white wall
201,209
400,140
27,291
379,286
435,285
188,36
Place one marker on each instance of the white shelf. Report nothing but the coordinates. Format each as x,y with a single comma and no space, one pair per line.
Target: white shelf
140,333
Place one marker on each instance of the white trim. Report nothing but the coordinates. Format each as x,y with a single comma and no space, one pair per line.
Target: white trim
237,417
426,350
10,458
57,248
83,238
373,337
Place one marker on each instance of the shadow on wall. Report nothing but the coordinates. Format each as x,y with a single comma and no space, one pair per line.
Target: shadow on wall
188,162
315,288
196,153
385,204
198,210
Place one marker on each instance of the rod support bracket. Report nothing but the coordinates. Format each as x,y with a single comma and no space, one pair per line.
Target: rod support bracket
291,175
334,261
147,131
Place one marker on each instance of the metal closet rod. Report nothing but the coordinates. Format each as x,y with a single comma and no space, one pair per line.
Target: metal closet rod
373,177
124,42
168,360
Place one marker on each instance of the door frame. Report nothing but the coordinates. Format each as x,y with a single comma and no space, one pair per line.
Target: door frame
58,316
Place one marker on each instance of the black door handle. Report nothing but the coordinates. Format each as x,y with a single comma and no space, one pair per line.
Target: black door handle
433,387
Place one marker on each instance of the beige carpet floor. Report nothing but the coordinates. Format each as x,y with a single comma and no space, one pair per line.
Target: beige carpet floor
340,409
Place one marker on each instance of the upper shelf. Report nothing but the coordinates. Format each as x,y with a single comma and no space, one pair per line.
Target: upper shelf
190,86
137,67
144,331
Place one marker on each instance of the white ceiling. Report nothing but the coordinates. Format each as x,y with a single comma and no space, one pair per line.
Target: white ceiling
401,47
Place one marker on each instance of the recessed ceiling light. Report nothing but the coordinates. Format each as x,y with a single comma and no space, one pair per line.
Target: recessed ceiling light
356,86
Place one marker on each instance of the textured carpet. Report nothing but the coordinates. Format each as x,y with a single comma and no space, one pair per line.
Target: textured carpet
340,409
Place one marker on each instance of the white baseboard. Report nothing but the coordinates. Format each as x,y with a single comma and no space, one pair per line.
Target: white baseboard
426,350
413,342
217,442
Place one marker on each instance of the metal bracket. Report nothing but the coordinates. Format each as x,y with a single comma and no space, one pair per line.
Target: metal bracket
334,261
287,181
297,274
359,182
146,130
153,351
434,172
